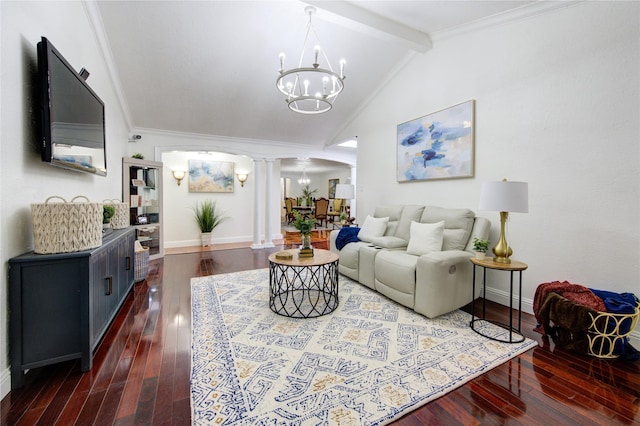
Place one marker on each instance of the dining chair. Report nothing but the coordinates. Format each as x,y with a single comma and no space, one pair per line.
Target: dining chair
288,205
321,210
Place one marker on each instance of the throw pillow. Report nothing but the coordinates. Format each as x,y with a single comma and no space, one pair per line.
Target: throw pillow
425,238
458,224
372,227
410,213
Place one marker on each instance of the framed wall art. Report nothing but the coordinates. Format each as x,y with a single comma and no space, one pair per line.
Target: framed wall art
439,145
210,176
332,188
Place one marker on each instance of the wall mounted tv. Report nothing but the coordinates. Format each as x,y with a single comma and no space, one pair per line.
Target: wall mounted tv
72,115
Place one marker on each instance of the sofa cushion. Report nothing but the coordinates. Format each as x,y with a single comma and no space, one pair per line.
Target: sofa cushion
410,213
349,255
395,276
458,224
373,227
393,212
425,238
389,242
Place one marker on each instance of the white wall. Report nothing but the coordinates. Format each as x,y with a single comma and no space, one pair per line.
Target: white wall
180,230
319,181
558,106
25,179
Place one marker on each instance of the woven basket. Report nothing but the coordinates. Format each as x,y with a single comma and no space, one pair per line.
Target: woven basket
121,217
141,266
607,330
67,226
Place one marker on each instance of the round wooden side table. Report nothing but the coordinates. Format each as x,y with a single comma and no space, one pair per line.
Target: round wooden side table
303,287
514,266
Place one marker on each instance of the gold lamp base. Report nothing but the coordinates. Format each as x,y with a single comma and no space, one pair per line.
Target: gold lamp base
502,251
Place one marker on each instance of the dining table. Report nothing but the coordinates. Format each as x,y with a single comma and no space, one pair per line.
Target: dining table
303,210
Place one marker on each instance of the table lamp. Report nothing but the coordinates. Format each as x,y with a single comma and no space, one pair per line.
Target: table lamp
504,197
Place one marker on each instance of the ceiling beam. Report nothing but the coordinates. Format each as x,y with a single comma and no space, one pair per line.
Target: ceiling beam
356,18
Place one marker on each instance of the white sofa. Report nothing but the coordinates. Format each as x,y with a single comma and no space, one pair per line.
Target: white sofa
402,261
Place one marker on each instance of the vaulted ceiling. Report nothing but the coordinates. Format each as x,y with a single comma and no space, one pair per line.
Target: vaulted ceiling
210,67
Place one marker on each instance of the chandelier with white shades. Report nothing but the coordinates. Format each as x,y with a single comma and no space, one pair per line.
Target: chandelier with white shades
313,89
304,179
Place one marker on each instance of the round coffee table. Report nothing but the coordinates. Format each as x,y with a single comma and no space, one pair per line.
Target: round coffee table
303,287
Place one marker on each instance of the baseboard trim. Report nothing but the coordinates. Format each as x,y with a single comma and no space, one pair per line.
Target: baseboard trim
5,383
502,297
217,241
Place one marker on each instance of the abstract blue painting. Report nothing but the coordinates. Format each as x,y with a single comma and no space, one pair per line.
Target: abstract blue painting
438,145
210,176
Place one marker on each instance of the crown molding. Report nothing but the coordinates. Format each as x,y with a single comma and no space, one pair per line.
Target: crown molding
513,15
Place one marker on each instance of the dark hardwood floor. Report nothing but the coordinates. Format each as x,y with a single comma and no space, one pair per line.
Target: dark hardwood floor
141,369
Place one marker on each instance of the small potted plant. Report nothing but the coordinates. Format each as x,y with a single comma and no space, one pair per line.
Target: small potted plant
343,218
107,214
208,217
480,247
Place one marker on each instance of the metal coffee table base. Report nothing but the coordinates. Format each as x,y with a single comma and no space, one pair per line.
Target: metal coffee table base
307,291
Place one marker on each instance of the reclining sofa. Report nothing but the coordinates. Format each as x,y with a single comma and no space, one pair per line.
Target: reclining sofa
415,255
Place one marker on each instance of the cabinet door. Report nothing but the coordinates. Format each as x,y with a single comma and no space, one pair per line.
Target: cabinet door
125,265
50,310
100,295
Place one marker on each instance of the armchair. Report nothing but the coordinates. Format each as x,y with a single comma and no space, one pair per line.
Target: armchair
334,215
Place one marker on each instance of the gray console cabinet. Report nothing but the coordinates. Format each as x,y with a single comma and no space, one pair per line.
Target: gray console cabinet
61,305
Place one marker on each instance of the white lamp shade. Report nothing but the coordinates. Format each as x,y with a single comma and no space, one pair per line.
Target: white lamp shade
345,190
505,196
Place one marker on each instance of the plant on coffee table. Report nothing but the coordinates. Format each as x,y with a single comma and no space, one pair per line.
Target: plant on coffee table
305,226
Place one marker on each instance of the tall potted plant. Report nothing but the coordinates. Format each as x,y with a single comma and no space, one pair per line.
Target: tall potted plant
208,217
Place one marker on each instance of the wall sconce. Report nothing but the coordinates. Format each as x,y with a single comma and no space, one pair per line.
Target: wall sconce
242,177
178,175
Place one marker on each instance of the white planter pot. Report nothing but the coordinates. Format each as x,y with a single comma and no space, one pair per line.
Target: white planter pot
480,255
206,238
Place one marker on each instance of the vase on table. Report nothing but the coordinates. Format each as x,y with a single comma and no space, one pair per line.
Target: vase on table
305,246
305,241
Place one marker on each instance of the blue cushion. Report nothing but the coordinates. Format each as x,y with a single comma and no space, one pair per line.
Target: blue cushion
346,236
617,303
620,303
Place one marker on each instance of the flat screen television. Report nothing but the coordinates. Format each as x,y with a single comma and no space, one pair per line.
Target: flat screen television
72,115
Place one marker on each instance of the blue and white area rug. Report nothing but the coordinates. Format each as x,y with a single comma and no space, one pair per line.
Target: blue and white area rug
369,362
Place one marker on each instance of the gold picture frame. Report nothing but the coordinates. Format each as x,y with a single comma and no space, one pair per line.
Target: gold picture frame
332,188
